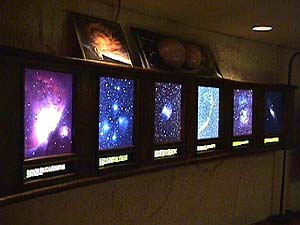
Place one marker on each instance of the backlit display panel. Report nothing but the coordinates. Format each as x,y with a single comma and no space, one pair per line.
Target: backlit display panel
273,112
167,122
242,112
116,113
208,112
48,113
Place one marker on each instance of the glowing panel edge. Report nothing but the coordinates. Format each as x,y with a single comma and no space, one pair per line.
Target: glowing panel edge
165,152
271,140
40,171
103,161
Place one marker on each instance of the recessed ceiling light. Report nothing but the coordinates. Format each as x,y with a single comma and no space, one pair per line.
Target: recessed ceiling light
262,28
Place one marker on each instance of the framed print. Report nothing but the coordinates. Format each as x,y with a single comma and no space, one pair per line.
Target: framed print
48,113
101,40
242,112
208,112
162,52
168,112
116,113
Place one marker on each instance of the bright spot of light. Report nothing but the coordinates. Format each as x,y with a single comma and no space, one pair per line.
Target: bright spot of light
115,107
64,131
105,127
272,113
262,28
46,122
167,111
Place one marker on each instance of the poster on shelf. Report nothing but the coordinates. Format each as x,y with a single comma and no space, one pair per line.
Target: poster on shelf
101,40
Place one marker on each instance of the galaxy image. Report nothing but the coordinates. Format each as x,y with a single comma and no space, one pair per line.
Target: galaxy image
48,113
242,112
102,40
116,113
208,112
167,113
273,112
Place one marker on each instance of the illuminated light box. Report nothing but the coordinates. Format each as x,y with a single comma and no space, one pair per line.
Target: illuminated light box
48,113
271,140
240,143
111,160
44,170
208,112
167,122
116,113
242,112
273,112
207,147
161,153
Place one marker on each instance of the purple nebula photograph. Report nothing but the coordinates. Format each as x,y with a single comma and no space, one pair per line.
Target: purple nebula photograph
48,113
116,113
167,122
242,112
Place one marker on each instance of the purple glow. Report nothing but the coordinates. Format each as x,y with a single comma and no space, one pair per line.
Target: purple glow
242,112
48,113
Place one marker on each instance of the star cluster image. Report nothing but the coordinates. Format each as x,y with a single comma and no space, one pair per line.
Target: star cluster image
48,113
242,112
116,114
208,112
273,112
167,123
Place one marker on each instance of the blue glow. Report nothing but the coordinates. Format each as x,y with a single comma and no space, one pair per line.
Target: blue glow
116,113
208,112
115,107
167,113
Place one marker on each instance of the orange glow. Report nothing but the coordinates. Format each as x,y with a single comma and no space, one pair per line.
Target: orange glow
105,44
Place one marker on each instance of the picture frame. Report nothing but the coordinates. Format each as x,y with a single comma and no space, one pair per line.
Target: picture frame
101,40
199,58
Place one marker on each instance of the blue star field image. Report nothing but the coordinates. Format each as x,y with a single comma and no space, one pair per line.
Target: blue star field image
48,113
208,112
242,112
273,112
167,123
116,113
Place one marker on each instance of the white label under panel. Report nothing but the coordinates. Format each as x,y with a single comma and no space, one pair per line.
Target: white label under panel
40,171
271,140
112,160
206,147
240,143
165,152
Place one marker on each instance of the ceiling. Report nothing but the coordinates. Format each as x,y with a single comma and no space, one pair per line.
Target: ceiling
231,17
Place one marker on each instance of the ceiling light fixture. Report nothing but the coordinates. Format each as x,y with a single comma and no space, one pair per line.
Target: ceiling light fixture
262,28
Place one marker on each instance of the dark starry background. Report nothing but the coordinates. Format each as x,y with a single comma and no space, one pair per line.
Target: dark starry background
116,114
167,122
273,112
